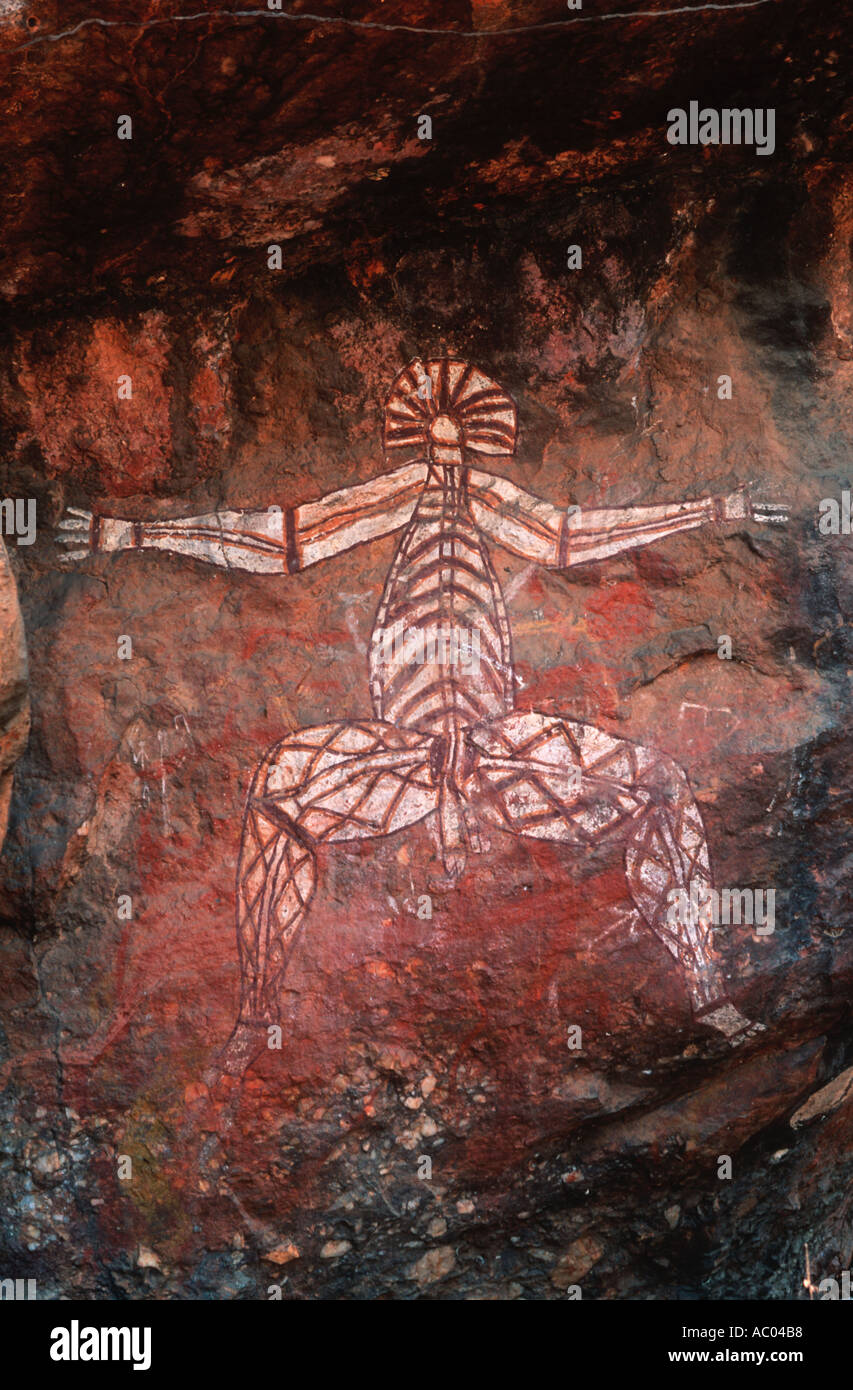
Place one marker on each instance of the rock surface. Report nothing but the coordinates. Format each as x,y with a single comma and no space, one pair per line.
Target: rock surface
411,1038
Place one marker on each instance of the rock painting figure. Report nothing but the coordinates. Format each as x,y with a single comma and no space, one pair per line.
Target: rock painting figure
446,742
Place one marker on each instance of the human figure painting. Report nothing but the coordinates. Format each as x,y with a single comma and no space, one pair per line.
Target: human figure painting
446,743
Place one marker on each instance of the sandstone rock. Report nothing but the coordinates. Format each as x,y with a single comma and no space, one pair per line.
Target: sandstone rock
282,1255
434,1265
333,1249
425,1089
825,1100
576,1263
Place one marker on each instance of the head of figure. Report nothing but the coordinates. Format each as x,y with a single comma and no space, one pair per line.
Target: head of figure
445,441
449,410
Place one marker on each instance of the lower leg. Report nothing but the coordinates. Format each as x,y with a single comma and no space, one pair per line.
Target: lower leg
675,902
276,876
668,872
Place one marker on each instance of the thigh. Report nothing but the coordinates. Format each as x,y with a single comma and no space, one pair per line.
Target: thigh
347,780
555,779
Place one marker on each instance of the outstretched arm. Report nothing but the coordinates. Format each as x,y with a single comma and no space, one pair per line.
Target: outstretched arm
280,539
559,537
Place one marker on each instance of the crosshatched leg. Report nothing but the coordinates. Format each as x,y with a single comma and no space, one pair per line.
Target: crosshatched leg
336,782
276,877
553,778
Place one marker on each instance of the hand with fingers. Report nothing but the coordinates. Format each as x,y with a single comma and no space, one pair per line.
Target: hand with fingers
740,506
75,531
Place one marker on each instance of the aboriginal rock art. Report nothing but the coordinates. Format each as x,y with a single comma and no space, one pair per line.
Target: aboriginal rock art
14,701
446,742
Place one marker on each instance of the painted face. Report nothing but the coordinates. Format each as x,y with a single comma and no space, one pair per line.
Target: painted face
445,441
445,406
445,431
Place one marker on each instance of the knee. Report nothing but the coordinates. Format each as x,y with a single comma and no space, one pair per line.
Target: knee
280,769
663,774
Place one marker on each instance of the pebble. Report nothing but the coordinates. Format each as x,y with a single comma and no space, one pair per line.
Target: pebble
434,1265
283,1254
333,1249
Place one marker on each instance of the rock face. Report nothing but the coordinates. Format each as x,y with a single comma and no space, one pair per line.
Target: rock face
494,1088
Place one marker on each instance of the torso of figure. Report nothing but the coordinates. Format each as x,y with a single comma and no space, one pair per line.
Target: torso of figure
440,651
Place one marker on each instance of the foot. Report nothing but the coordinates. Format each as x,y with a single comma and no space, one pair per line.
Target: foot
211,1107
245,1045
731,1023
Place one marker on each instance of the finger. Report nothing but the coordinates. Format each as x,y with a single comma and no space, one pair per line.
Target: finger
78,511
772,508
73,555
73,523
68,540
